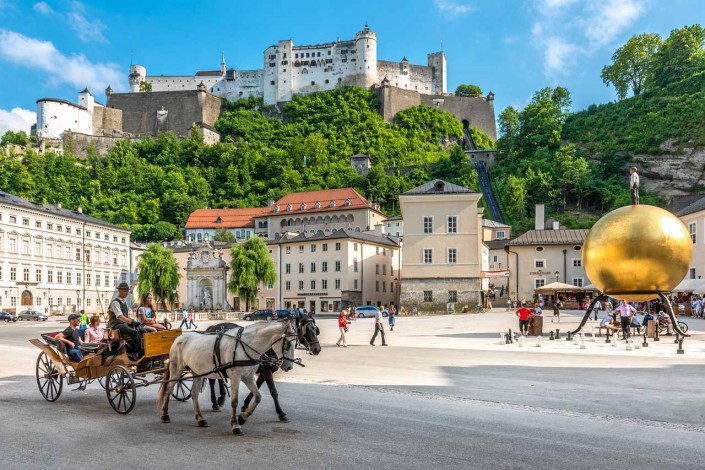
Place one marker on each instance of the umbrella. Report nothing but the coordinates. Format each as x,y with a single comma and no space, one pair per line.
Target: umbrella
558,286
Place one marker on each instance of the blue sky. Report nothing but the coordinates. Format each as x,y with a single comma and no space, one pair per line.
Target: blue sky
54,48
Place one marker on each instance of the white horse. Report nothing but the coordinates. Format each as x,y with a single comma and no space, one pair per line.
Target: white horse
196,351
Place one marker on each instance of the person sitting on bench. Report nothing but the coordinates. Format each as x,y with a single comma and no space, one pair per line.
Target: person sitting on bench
119,320
71,337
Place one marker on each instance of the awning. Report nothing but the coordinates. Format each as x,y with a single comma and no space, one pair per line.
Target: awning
559,286
696,286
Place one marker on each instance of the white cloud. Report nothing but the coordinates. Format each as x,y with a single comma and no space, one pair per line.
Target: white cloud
75,70
609,18
452,9
552,7
43,8
559,56
17,119
86,30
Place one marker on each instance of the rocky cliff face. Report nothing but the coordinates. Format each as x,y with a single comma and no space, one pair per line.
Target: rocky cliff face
677,172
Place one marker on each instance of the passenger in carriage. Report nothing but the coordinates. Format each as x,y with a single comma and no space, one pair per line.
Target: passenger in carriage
95,332
147,314
71,337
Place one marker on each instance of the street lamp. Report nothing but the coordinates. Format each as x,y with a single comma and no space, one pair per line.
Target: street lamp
556,274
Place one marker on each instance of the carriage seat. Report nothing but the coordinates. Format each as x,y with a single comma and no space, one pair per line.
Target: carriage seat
50,338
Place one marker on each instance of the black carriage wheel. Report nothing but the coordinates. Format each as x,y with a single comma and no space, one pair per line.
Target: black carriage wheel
49,381
120,388
182,388
101,381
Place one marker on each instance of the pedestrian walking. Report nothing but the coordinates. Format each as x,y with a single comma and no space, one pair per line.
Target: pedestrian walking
523,314
343,327
379,328
392,317
556,311
184,319
191,317
626,312
84,321
596,309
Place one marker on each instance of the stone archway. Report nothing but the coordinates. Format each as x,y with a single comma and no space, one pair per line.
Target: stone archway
27,298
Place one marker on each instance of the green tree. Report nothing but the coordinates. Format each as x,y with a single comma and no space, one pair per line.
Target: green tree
145,87
16,138
631,64
680,56
468,90
159,274
514,196
222,234
251,265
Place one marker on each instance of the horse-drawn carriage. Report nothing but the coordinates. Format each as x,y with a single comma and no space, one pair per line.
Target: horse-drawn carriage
109,364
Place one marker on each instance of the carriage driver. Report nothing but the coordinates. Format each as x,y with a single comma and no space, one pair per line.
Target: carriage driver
119,320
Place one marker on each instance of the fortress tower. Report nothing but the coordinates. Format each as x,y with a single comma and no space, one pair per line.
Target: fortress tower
366,54
437,62
137,76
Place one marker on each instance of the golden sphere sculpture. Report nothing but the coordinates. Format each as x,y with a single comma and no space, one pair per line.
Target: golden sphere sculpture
637,248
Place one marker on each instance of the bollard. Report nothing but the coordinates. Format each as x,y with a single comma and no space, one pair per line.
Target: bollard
558,333
680,346
502,339
551,338
607,337
582,341
576,338
614,340
521,341
569,337
656,338
511,336
538,341
645,344
592,332
629,345
637,345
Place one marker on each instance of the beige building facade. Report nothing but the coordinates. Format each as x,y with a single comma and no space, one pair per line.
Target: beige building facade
693,216
442,259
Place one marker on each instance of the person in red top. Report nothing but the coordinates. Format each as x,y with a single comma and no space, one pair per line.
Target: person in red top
343,326
523,314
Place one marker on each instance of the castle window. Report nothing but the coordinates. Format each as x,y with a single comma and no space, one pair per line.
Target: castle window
284,56
340,80
332,204
327,81
272,82
344,60
347,202
307,55
288,207
317,205
302,206
319,54
328,52
313,83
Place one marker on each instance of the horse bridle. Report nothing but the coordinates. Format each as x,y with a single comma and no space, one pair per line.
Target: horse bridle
286,344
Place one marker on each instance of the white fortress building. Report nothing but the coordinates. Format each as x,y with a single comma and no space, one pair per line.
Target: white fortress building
289,70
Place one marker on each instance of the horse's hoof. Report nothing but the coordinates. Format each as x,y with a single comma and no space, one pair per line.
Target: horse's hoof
166,419
203,423
283,419
237,431
216,408
241,420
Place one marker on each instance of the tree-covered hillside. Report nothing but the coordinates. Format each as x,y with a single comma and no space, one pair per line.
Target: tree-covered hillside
577,163
152,185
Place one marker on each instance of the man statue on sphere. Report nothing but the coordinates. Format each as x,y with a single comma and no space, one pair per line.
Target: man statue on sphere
634,185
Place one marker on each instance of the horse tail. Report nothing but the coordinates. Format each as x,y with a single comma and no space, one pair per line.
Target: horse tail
163,388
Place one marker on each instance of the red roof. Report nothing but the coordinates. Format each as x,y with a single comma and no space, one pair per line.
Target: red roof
229,218
323,198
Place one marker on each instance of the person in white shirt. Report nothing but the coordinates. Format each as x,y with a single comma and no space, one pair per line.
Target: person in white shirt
379,328
634,186
626,312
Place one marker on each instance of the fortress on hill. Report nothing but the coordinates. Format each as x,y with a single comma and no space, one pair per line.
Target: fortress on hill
179,103
289,69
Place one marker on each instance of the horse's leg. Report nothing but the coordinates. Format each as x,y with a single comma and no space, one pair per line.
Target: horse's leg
260,381
221,399
269,378
234,386
176,368
195,391
214,402
250,383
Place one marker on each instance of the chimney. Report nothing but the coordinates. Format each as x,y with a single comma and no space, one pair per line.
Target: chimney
379,228
270,203
539,224
79,210
556,225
